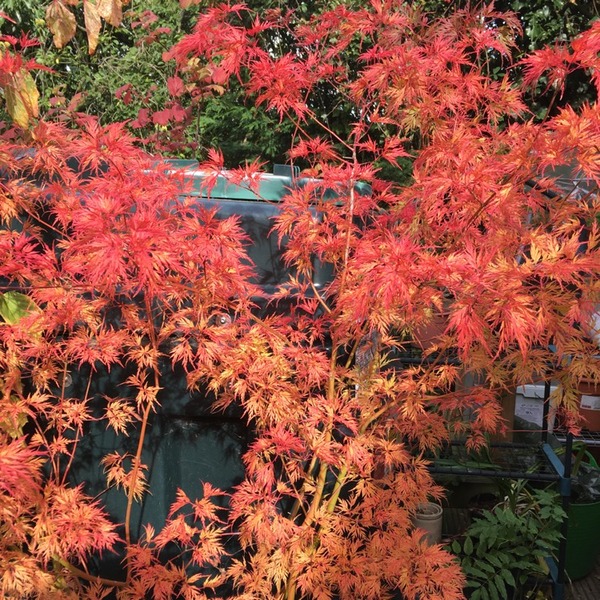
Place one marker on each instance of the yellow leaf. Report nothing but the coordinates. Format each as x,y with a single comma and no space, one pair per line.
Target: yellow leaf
21,97
12,423
61,22
111,11
92,24
14,306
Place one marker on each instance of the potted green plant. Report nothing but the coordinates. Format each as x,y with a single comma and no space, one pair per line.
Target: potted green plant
503,550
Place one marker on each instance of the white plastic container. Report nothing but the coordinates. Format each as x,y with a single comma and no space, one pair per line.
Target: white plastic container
529,404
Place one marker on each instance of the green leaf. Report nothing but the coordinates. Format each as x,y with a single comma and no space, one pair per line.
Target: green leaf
486,566
482,549
472,583
494,592
478,573
14,306
499,581
533,529
508,577
492,558
468,546
525,565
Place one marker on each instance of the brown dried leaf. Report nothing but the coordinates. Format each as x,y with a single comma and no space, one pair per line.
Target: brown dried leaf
111,11
61,22
93,24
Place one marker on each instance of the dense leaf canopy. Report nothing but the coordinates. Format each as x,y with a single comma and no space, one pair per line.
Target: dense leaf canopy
123,278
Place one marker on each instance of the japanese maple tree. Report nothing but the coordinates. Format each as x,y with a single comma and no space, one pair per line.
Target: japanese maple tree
108,265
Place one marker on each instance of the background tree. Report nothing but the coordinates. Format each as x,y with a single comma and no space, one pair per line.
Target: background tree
542,24
125,78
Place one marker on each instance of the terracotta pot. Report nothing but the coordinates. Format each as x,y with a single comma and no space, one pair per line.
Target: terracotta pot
589,404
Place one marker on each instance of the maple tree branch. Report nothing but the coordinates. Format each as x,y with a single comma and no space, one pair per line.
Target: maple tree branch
318,496
138,454
317,499
136,468
344,274
292,582
319,297
75,442
91,578
337,489
319,123
298,501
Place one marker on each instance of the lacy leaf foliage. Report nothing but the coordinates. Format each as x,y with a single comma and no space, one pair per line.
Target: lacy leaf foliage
121,270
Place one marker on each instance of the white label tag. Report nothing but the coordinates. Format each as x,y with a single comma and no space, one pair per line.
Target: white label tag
590,402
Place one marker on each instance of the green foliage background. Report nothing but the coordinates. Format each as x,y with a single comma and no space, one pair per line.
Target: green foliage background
228,121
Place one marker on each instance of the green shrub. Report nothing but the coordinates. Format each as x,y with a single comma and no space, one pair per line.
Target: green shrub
503,550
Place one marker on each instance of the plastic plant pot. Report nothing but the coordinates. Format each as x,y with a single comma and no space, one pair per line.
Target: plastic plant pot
428,517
